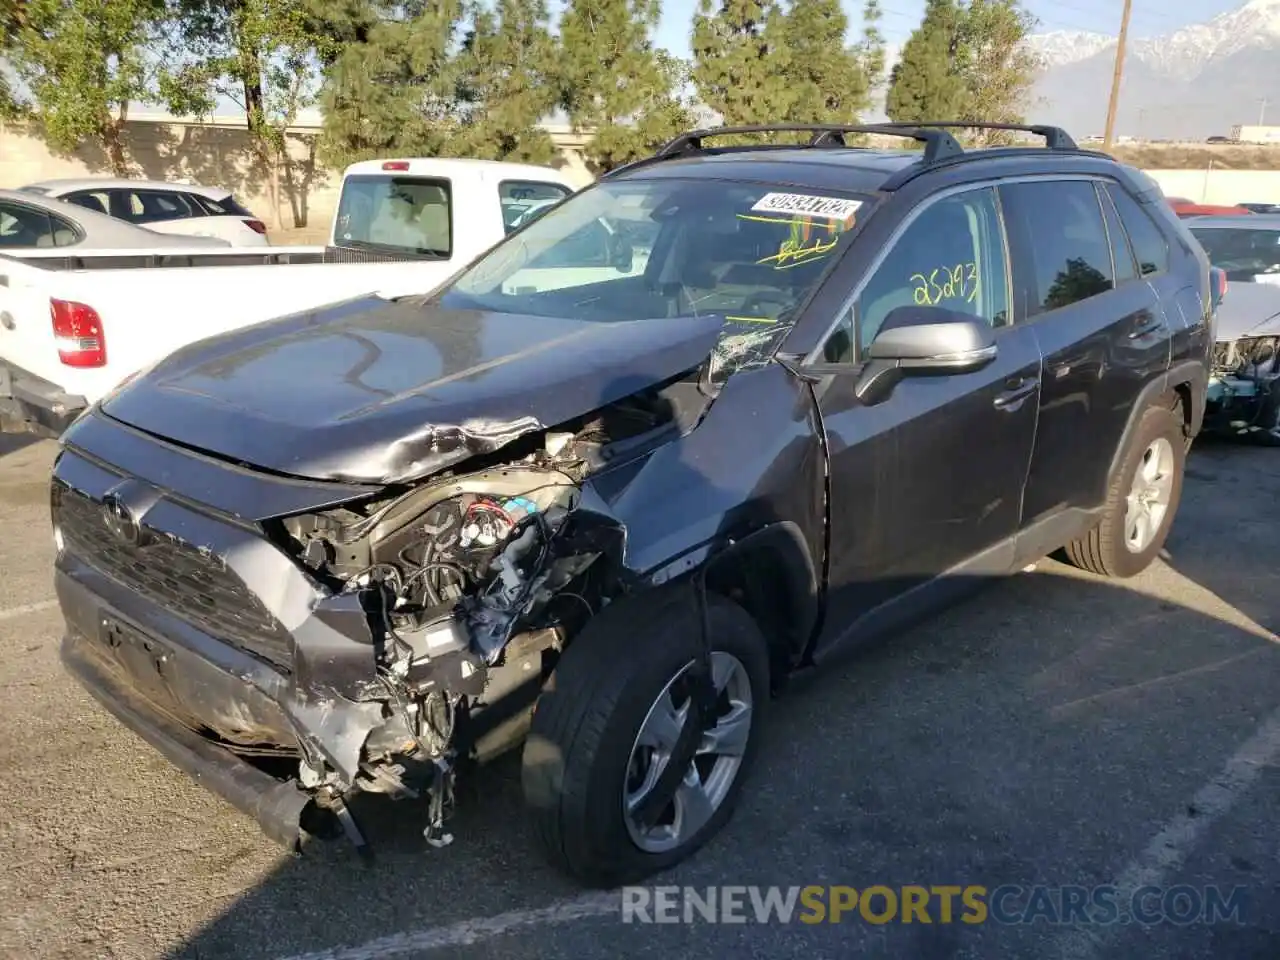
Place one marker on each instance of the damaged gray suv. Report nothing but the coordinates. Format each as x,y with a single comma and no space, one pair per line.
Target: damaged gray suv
708,422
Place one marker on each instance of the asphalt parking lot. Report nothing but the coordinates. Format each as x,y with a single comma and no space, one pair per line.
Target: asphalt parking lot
1055,730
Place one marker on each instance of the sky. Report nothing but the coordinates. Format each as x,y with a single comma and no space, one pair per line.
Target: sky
1149,18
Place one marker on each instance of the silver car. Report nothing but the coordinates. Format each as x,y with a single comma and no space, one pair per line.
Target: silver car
1244,390
31,222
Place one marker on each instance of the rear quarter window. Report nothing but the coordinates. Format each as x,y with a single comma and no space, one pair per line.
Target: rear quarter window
1149,243
222,207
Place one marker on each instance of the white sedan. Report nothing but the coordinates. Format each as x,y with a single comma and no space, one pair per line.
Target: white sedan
32,222
177,208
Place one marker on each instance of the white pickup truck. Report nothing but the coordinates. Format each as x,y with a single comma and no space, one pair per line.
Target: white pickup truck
73,326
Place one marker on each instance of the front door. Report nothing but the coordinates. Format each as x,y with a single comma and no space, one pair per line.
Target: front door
931,477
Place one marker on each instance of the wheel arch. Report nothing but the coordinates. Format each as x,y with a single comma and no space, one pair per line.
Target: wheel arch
1185,382
771,574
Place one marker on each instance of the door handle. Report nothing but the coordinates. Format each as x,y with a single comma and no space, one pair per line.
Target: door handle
1146,328
1017,388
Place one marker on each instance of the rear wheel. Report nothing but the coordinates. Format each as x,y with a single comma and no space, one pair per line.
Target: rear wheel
1141,501
614,789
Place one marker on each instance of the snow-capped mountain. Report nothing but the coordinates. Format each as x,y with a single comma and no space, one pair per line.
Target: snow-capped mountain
1192,83
1058,48
1255,25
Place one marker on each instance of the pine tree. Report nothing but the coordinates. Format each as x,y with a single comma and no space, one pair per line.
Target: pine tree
995,64
740,60
871,46
614,83
390,91
506,84
925,84
825,80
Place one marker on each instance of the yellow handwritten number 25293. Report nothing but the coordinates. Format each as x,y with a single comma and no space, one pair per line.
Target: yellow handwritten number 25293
946,283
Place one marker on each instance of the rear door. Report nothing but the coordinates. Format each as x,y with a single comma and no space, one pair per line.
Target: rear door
1100,329
1181,296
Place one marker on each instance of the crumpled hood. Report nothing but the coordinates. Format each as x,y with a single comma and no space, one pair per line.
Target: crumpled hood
378,391
1249,310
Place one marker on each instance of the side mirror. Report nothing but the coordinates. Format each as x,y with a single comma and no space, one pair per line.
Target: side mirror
621,253
915,341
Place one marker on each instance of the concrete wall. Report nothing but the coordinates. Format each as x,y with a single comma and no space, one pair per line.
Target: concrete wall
215,154
1220,186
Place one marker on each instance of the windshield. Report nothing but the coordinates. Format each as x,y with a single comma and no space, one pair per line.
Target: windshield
1241,252
395,214
647,249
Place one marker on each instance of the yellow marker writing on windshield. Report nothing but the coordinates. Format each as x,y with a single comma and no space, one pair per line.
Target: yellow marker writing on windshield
800,246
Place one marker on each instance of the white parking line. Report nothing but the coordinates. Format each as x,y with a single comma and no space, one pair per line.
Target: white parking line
8,613
1169,848
467,932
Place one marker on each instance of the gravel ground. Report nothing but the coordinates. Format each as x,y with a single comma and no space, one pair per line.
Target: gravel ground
1055,730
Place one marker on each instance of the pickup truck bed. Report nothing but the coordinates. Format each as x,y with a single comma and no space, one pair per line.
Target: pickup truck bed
128,309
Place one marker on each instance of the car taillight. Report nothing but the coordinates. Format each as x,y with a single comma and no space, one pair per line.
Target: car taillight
1218,278
400,165
77,328
257,226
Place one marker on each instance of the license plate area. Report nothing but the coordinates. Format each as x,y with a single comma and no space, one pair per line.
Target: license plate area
147,662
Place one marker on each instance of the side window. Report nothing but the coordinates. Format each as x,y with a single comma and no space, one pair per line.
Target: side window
1069,256
1149,243
23,226
210,207
65,233
127,205
1121,252
95,200
952,255
518,197
158,206
192,203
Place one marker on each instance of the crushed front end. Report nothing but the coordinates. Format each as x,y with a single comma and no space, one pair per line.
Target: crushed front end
290,643
1243,398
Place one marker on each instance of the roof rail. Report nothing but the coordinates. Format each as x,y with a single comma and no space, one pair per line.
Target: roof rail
1055,138
938,144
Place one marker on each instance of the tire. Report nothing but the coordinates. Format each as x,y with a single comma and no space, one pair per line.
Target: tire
1104,550
1175,404
578,753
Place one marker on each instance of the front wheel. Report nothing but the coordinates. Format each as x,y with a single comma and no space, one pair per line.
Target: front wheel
1141,501
623,775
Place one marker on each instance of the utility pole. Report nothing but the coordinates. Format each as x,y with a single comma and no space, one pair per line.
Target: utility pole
1109,134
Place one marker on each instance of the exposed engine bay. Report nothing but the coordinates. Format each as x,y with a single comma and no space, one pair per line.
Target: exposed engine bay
1243,384
472,582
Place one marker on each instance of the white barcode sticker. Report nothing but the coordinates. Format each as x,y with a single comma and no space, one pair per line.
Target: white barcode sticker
803,205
